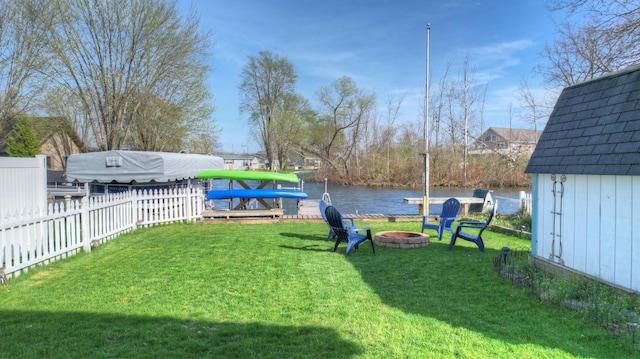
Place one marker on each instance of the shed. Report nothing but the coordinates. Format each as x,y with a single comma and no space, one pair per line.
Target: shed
586,181
138,166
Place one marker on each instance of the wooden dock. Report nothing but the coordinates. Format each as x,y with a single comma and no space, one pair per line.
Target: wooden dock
242,214
465,201
309,207
308,211
357,217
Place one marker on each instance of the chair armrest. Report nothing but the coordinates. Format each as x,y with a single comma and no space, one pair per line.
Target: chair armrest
349,220
468,224
425,219
361,229
448,220
471,222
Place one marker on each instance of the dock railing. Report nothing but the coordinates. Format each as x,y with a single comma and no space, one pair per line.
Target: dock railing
465,201
526,201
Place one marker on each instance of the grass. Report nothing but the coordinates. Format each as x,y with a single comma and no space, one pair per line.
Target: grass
277,291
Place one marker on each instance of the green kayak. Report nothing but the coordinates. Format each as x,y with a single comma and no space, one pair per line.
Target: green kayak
248,175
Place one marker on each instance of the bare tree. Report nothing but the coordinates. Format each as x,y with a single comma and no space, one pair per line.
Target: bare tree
175,115
343,111
22,35
467,96
119,57
393,105
291,117
534,110
580,54
266,79
67,119
596,37
205,143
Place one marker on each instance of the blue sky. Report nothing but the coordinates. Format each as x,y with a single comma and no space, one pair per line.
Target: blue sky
381,45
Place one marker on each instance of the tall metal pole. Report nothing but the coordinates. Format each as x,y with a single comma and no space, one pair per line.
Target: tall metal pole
425,199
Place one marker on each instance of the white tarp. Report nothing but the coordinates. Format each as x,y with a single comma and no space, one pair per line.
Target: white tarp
138,166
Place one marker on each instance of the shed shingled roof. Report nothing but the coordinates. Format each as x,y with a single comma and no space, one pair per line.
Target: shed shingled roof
594,128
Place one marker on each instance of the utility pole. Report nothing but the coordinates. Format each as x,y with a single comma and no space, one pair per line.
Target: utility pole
425,199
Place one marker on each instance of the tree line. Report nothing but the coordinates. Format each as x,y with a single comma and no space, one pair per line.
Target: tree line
361,142
105,75
131,74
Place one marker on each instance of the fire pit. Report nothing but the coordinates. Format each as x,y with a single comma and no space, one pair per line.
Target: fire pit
400,239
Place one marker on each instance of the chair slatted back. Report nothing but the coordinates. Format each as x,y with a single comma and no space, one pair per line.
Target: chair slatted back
334,218
451,208
323,207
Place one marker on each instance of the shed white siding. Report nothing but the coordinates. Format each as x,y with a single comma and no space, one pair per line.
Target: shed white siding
594,228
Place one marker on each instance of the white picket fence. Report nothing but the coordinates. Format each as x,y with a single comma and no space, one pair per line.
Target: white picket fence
23,183
29,238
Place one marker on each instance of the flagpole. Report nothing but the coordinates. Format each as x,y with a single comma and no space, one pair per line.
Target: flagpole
425,199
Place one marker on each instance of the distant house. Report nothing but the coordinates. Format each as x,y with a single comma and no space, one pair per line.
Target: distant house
498,139
58,140
586,181
312,162
243,161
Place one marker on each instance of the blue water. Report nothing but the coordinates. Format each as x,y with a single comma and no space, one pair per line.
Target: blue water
368,200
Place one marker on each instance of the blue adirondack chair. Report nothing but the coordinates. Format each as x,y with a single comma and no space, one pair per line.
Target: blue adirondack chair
349,236
450,211
349,223
475,235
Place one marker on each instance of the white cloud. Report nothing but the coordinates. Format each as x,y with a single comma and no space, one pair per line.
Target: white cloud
492,61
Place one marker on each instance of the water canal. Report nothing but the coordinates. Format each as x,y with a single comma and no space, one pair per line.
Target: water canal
368,200
390,201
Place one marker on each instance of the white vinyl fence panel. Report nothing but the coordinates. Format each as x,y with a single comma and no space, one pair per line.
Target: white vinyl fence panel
23,184
28,238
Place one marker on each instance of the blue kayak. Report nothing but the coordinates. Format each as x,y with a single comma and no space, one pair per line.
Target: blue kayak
255,193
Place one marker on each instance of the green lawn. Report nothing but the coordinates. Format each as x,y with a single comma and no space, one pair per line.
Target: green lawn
277,291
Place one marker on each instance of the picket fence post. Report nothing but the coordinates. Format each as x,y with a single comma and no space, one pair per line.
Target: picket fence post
134,208
84,219
188,204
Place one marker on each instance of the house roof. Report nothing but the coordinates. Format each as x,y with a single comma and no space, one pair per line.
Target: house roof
593,129
238,156
514,134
